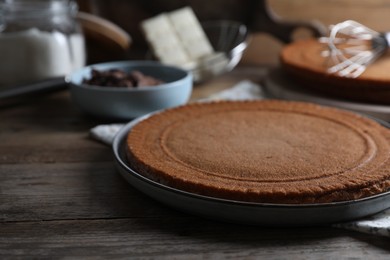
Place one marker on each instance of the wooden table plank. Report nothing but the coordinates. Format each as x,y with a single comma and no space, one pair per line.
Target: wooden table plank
181,238
54,191
60,196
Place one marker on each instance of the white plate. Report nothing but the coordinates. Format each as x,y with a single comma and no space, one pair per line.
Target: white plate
264,214
279,85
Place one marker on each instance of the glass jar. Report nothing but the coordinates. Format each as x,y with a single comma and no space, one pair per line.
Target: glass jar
39,40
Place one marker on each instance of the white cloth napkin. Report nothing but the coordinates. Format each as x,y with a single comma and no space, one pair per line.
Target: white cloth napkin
378,224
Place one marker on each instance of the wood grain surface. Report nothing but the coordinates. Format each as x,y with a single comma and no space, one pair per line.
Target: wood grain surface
61,198
264,48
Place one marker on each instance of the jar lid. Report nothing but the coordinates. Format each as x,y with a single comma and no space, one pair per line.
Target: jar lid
32,9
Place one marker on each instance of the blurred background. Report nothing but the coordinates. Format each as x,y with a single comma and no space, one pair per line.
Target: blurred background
264,46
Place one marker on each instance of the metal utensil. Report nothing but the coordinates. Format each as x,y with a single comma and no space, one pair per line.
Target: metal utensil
35,87
352,47
227,37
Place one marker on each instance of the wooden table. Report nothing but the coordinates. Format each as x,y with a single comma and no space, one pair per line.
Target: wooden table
60,196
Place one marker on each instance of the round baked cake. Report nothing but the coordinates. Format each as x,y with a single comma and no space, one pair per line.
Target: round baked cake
263,151
303,60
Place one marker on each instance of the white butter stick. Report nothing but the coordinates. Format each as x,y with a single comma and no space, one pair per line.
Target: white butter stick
190,33
164,41
177,38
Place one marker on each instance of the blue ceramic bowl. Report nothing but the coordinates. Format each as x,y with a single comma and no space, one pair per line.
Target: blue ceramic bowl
127,103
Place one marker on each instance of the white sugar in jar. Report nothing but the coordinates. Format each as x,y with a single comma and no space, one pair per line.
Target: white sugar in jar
39,40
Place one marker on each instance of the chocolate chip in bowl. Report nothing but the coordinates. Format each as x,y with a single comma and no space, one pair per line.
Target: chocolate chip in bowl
125,90
120,78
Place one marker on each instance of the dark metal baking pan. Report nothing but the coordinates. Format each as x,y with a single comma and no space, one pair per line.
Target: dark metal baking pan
278,85
264,214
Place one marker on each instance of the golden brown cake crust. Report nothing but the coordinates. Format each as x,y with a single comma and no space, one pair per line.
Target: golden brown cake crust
263,151
303,60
